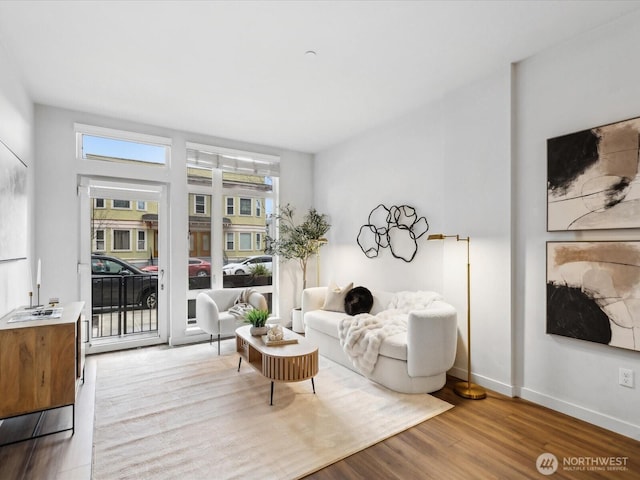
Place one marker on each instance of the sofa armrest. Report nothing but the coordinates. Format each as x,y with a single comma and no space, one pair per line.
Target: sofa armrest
313,299
207,313
431,340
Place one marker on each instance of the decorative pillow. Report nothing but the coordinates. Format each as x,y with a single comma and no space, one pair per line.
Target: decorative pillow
334,301
358,300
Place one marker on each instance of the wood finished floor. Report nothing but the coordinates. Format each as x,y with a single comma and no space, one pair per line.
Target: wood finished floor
495,438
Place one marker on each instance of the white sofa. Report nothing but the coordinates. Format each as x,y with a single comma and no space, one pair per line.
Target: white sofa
415,361
212,310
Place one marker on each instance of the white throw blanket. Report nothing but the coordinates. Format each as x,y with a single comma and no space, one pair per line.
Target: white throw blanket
361,335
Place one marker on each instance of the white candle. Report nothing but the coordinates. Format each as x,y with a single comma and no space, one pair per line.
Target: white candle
30,275
39,274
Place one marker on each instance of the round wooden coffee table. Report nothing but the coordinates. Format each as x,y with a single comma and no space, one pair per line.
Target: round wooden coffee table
293,362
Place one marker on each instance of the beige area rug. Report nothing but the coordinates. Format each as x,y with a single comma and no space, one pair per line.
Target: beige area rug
186,413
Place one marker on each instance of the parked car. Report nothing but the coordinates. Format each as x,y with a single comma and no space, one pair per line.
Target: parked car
197,268
244,267
109,273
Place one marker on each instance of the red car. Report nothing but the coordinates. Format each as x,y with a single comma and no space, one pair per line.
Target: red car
197,268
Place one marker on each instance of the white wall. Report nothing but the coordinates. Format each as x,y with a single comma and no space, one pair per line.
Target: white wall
397,164
58,223
590,81
16,131
477,178
450,161
457,163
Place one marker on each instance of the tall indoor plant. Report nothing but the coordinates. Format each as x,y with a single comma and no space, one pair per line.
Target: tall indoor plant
298,241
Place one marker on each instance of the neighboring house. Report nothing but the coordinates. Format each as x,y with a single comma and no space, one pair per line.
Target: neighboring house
128,229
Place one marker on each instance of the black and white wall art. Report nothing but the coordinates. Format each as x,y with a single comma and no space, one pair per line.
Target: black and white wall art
593,291
592,178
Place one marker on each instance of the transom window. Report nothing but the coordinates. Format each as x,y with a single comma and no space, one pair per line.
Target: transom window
105,144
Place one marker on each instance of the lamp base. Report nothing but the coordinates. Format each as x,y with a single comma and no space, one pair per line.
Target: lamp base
470,390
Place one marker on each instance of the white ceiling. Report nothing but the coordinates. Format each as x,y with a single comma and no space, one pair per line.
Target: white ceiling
238,70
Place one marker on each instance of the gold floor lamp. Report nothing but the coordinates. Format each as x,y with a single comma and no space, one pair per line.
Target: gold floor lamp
465,389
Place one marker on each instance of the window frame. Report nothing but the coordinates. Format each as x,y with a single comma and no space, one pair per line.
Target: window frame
144,240
124,136
196,204
228,235
96,240
113,204
250,210
241,236
113,240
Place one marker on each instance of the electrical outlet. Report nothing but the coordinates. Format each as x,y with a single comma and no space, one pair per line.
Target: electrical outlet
625,377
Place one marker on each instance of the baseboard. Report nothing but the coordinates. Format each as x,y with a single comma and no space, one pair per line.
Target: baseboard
486,382
590,416
601,420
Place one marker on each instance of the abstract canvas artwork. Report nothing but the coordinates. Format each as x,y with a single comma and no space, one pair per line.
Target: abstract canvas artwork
13,206
592,178
593,291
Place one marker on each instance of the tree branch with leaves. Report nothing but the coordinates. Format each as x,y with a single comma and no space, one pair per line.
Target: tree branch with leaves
298,241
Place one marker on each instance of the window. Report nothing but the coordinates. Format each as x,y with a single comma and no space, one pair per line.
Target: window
99,203
142,240
121,240
245,206
141,205
200,204
206,246
105,144
243,188
98,241
245,241
122,204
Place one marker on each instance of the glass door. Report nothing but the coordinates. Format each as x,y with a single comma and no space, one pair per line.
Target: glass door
123,264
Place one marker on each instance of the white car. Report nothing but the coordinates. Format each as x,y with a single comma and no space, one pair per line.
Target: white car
244,267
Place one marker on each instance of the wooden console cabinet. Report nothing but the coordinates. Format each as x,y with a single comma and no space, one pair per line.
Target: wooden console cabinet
41,362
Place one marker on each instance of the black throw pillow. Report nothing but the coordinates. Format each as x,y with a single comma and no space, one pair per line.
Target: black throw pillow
358,300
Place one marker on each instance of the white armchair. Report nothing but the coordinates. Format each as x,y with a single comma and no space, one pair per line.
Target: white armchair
212,310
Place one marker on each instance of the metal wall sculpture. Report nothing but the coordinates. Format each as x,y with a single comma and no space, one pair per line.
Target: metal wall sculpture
397,228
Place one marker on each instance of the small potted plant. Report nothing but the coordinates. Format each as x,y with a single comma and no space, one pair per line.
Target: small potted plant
258,320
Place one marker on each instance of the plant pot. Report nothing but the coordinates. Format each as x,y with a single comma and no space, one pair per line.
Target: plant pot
297,322
258,331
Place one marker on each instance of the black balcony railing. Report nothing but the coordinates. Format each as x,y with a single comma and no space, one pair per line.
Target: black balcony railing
124,305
